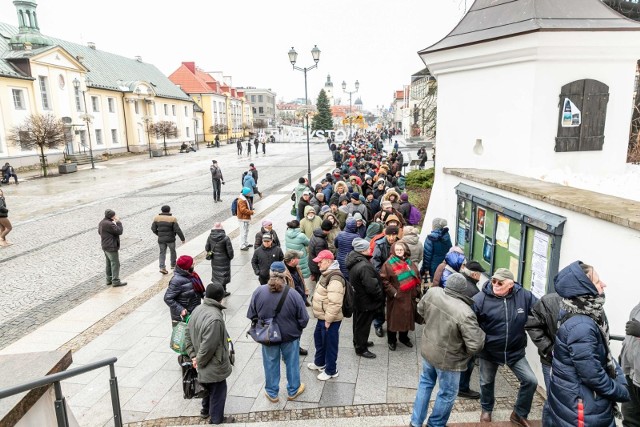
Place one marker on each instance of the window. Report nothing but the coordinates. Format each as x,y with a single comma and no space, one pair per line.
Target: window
95,104
155,110
99,136
187,131
166,110
18,99
261,110
173,110
42,82
112,105
186,111
260,98
78,94
136,107
83,138
114,136
254,110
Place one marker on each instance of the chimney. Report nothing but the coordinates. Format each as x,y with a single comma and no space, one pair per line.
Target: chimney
138,58
91,45
191,66
80,58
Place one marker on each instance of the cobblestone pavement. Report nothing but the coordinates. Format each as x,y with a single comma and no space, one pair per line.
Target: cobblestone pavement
56,261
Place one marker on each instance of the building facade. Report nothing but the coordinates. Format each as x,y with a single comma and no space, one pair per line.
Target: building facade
263,104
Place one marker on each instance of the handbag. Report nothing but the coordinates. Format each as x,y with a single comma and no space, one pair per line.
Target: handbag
294,211
209,256
267,331
178,337
191,387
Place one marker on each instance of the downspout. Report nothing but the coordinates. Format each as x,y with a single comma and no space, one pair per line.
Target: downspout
126,128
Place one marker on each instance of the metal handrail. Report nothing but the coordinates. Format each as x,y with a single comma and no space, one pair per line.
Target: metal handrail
60,405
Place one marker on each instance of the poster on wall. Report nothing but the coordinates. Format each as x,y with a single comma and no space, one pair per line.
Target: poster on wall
539,264
514,245
502,231
487,249
461,210
461,236
480,221
571,116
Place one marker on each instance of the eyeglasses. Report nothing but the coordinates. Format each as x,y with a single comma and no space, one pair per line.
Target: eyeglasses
497,282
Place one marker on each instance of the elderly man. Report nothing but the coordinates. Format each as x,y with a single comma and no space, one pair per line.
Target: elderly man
447,346
502,309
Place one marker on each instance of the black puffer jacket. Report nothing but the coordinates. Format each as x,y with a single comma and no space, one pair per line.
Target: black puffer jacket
317,243
262,259
274,238
366,283
165,226
180,294
542,325
220,244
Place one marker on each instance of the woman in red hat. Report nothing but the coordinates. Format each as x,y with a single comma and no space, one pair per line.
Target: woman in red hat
185,290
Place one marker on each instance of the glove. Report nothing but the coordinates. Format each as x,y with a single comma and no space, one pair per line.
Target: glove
633,328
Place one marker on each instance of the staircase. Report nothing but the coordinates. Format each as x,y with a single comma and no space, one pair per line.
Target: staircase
83,159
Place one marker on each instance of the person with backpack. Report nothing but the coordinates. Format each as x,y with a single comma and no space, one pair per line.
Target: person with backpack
244,213
436,246
249,182
327,308
216,180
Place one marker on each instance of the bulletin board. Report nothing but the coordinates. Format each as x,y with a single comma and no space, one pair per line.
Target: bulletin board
536,263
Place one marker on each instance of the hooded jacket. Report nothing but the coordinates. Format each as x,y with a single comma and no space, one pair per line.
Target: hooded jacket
331,237
219,244
367,287
343,245
180,294
308,226
412,240
328,295
452,263
335,197
296,240
317,243
436,246
579,363
503,319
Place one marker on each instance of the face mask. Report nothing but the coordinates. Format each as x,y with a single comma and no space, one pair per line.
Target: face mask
310,217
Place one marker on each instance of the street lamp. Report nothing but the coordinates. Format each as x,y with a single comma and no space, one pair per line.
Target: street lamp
148,123
350,92
293,57
86,117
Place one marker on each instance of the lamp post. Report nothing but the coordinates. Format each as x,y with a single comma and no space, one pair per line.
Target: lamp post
350,92
148,120
293,57
86,117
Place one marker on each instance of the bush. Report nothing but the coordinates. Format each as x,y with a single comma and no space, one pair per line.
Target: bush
420,178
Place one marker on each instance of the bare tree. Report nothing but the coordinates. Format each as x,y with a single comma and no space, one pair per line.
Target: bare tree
259,124
165,129
38,132
219,129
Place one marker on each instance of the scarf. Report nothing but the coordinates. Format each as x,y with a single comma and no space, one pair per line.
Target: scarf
198,287
407,278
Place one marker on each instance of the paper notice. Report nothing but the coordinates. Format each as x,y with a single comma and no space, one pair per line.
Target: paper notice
502,231
539,263
540,243
513,265
514,246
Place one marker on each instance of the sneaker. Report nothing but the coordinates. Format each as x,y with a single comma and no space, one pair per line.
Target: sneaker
272,399
164,271
323,376
297,393
315,367
228,420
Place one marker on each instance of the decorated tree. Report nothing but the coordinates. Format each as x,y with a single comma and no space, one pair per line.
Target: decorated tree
39,132
323,120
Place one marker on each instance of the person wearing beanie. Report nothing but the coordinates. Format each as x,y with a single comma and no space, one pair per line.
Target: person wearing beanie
181,295
368,296
216,180
372,204
334,222
502,308
267,228
317,244
387,210
244,214
356,206
264,256
291,319
382,248
343,242
110,229
166,227
220,251
446,349
339,215
584,368
436,247
207,340
404,207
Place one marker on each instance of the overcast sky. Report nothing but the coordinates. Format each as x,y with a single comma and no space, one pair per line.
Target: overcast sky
373,41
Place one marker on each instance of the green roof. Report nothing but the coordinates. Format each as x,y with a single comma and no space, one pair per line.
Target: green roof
105,69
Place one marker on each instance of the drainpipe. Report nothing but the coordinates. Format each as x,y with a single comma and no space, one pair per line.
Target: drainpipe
126,128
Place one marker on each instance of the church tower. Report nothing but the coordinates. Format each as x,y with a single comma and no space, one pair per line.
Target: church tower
328,88
28,36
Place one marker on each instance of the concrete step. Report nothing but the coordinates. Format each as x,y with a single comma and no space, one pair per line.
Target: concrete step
83,159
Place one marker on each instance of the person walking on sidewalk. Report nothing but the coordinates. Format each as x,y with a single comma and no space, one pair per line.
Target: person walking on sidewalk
291,319
216,179
239,146
249,147
449,341
110,229
220,251
256,143
207,345
263,257
181,296
5,224
244,214
367,295
254,172
166,227
327,308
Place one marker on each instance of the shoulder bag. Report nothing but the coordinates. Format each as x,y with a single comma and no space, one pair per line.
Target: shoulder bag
267,331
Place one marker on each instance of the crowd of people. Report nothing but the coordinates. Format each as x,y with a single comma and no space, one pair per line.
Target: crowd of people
352,249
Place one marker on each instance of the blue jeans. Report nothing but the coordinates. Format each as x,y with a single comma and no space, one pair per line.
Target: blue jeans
163,254
546,373
465,376
526,377
290,352
445,399
326,341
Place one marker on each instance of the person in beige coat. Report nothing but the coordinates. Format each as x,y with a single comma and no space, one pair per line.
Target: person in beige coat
310,221
327,308
412,240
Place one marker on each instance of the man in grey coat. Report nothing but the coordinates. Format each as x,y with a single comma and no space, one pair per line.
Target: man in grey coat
207,345
451,339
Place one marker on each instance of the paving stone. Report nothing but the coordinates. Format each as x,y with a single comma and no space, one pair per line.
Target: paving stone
250,382
152,392
238,405
337,394
402,395
371,386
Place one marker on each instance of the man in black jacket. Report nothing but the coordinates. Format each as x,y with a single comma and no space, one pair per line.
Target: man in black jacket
263,257
317,244
110,229
367,297
165,226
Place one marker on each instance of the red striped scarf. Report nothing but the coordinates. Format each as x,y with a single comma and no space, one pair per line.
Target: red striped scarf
407,278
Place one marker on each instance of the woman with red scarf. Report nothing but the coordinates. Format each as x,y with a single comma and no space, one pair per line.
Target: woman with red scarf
401,280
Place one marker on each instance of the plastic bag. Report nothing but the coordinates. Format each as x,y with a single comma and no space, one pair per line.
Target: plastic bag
178,337
191,387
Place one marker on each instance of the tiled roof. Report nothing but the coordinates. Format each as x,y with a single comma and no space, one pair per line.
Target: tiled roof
105,68
399,94
191,82
495,19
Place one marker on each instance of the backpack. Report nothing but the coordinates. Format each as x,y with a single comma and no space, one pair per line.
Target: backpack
234,207
414,216
347,301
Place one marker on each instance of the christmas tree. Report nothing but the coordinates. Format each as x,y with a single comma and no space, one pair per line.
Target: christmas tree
322,120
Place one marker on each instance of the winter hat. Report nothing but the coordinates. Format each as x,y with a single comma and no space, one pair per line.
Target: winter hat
185,262
410,230
355,195
367,177
404,197
386,204
278,267
475,266
266,223
109,214
267,237
358,216
246,191
326,225
291,254
359,244
439,223
324,209
391,230
390,218
218,226
214,161
165,209
214,291
343,198
456,283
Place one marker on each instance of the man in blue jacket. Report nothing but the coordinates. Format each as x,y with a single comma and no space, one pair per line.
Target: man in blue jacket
436,246
502,309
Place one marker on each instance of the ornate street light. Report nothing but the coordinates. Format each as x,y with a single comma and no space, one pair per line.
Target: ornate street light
86,116
344,89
